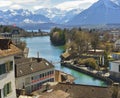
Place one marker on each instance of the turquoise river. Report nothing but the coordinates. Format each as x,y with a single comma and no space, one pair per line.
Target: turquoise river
51,53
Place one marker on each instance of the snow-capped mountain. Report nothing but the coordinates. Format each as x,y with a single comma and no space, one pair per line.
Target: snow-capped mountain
21,16
44,15
101,12
57,15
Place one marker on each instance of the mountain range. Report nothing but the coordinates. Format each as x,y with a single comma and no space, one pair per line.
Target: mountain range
49,17
100,13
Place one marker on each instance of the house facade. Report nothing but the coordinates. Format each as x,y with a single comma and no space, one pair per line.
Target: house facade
7,75
117,44
31,73
115,69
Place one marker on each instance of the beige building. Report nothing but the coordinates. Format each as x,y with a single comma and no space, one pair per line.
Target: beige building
7,78
31,73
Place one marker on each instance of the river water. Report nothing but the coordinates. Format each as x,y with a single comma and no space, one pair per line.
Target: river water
52,53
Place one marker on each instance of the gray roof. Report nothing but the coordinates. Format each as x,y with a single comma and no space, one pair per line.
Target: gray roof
84,91
26,66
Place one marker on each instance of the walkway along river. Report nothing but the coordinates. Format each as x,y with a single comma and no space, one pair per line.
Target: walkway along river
46,50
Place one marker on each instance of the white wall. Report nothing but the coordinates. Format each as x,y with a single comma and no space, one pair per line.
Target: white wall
114,67
8,77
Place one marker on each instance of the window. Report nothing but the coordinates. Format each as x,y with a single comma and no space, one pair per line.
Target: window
2,69
43,75
52,80
9,66
7,89
31,78
28,90
40,75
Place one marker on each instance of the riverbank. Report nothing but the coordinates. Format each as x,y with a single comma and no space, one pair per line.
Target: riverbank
43,46
98,76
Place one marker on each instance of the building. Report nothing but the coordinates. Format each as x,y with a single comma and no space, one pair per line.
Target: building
115,34
7,75
117,44
115,70
14,36
116,55
98,55
6,35
31,73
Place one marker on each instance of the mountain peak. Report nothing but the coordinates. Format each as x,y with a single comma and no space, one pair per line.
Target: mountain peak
100,13
117,2
113,4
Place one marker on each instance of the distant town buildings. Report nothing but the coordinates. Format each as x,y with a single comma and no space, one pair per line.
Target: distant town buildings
115,34
7,75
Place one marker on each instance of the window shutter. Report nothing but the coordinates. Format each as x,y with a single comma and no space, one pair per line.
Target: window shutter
5,90
11,65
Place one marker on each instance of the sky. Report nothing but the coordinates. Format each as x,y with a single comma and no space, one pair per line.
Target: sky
37,4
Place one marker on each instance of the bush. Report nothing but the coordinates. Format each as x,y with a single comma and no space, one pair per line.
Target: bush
89,62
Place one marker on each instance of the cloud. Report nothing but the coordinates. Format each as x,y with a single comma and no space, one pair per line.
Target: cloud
16,6
23,1
4,3
37,4
37,7
69,5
